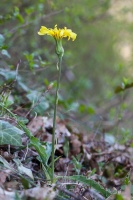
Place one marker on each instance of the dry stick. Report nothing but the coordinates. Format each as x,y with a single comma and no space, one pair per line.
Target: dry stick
13,30
17,70
71,194
94,194
16,73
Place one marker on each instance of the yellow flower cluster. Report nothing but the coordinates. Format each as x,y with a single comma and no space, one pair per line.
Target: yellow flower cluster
58,33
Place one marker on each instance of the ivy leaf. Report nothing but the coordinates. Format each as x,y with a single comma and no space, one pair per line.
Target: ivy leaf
10,134
5,52
10,76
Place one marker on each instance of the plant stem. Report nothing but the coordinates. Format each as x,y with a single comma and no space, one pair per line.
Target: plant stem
54,118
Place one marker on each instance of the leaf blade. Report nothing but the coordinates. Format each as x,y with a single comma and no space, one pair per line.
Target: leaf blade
10,134
90,183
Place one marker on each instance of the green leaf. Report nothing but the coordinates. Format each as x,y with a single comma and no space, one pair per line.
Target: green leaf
90,183
43,151
41,107
18,15
127,180
125,80
22,169
22,120
2,39
91,110
17,196
77,164
121,88
47,172
5,52
43,104
119,197
25,183
8,75
5,163
10,134
22,85
11,75
26,130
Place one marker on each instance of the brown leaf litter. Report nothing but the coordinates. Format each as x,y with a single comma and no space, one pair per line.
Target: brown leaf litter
111,162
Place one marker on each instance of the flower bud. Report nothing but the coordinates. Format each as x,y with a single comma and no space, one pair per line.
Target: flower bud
59,48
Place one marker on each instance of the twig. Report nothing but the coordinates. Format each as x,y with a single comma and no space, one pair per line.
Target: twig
10,85
37,103
17,70
94,194
34,21
79,184
71,194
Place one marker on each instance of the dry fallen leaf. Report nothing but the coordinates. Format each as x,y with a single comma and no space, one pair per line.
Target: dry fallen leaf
75,145
35,125
62,164
40,193
3,176
5,195
127,193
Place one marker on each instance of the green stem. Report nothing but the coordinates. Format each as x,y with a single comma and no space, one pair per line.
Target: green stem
54,118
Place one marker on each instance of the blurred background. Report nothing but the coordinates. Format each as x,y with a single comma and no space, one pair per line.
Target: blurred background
96,69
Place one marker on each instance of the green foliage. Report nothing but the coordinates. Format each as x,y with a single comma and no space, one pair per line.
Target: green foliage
9,134
119,197
91,183
11,77
38,99
22,169
26,182
127,180
91,21
44,152
77,164
5,163
124,86
92,67
17,196
2,39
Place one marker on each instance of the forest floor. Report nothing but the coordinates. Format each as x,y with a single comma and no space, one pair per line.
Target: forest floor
78,154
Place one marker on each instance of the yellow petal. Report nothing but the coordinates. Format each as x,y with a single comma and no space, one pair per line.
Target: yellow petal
58,33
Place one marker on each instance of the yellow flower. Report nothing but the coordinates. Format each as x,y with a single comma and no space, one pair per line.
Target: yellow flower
58,33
